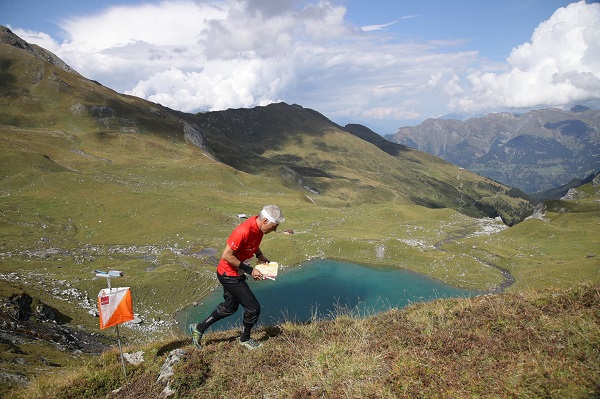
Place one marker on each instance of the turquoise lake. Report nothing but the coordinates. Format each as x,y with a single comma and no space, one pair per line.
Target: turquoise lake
324,288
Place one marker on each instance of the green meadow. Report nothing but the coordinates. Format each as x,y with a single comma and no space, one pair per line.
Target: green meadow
72,204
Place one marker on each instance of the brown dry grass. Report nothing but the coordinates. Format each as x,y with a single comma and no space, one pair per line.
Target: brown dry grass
542,344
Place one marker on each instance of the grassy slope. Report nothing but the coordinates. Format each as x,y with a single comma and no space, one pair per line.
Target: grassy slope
560,249
66,218
345,167
527,345
166,196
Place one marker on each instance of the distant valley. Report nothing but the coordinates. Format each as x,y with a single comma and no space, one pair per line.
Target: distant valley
535,151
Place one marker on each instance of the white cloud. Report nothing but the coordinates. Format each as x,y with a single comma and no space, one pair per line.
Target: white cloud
227,54
221,84
390,113
195,55
560,65
168,23
450,86
369,28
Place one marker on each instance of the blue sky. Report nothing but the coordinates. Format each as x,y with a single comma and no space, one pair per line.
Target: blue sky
384,64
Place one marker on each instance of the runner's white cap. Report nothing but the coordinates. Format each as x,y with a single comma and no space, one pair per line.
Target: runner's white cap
272,213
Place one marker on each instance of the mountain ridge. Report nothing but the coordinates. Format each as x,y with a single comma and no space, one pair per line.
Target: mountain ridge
534,151
8,37
343,162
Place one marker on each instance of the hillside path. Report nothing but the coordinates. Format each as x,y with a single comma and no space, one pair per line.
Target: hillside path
463,233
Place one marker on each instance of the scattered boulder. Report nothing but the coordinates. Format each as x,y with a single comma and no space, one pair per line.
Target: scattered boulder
166,371
135,358
573,194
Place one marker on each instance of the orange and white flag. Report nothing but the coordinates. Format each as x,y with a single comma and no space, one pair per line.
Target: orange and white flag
115,306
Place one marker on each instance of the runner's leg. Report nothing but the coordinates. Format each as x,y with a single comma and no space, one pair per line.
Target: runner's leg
226,308
242,294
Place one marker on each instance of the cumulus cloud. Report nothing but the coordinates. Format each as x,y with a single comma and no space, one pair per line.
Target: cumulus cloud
197,56
194,56
560,65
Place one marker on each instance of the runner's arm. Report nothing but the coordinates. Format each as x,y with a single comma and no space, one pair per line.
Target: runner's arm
230,257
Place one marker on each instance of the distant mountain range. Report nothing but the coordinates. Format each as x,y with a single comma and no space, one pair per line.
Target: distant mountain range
535,151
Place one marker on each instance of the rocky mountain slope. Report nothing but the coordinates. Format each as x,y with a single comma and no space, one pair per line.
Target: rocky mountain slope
535,151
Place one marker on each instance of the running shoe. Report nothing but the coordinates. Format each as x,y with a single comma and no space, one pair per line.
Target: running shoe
250,344
196,336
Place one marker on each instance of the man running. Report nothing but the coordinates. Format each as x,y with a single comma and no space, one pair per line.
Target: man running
242,244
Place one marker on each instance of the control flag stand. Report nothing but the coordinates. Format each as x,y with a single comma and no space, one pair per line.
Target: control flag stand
115,307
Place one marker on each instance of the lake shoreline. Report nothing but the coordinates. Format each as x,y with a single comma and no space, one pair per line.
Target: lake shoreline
305,289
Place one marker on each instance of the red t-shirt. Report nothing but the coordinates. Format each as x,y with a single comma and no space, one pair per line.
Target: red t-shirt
244,240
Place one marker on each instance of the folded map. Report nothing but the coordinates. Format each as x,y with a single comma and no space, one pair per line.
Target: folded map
269,270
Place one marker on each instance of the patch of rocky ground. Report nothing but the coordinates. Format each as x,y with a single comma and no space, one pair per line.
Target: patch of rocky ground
63,290
25,319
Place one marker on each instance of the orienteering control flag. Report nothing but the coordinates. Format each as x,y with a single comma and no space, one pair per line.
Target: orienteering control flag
115,306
